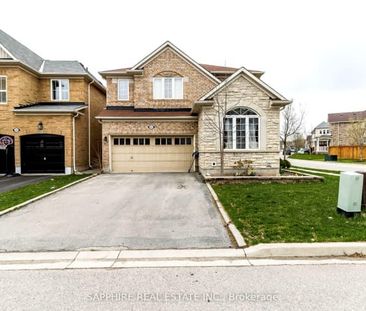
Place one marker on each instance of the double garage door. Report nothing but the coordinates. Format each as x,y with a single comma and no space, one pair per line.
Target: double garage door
152,154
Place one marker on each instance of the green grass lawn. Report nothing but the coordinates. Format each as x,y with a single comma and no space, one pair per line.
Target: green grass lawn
302,212
320,157
17,196
316,157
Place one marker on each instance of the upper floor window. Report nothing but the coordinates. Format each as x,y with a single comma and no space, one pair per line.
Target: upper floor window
168,88
241,129
123,89
3,90
60,89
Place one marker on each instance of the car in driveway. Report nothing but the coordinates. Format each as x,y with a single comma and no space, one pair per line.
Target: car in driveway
119,211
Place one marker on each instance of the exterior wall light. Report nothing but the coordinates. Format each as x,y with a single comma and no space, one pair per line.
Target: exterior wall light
40,126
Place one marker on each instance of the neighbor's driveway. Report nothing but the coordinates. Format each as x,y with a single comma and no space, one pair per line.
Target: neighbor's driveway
325,165
136,211
8,183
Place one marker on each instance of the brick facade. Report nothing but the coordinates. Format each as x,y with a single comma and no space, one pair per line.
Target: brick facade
340,136
25,87
242,92
195,83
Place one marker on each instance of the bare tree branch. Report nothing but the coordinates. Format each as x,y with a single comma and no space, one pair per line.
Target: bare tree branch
292,124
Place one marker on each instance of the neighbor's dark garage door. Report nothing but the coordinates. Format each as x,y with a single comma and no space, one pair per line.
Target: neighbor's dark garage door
42,153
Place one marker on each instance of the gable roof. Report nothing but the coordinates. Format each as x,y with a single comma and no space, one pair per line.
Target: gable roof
346,116
244,72
20,52
322,125
170,45
9,47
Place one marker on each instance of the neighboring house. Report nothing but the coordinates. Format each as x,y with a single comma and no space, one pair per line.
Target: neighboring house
47,111
320,138
340,124
159,115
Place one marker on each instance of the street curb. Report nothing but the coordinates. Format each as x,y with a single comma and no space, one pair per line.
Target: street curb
227,220
16,207
117,259
292,250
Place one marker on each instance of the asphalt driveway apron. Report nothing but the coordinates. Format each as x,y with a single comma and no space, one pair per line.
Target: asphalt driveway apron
8,183
119,211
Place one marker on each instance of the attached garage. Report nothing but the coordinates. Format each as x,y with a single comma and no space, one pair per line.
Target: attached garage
152,154
42,153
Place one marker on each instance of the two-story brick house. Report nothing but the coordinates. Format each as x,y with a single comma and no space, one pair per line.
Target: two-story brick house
47,111
162,116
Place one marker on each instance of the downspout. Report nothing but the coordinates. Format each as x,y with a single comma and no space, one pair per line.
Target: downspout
74,141
89,124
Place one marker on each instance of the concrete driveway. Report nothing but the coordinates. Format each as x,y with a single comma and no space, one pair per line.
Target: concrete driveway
133,211
8,183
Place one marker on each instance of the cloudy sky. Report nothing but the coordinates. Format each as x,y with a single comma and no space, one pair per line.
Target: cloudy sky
312,51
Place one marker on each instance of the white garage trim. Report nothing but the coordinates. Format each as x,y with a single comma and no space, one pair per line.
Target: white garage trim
144,153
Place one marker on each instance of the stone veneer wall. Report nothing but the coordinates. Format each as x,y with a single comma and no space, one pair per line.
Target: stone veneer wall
241,93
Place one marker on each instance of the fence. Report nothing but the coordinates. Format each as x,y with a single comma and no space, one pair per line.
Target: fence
347,152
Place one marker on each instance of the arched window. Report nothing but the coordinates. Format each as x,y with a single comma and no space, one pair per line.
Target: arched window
241,129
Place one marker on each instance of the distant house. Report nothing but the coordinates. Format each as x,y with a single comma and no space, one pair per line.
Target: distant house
320,138
340,124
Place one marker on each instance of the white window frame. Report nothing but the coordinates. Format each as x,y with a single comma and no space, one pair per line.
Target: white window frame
163,88
5,91
246,117
128,90
60,91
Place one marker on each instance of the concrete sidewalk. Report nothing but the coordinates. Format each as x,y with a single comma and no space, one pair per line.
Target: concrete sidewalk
262,254
332,166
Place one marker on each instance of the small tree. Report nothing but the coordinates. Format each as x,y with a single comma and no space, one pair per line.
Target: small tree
292,124
357,135
299,141
215,120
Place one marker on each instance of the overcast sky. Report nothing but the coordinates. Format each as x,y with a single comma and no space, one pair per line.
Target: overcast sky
312,51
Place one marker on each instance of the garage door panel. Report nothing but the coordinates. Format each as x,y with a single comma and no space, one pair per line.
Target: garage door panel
151,158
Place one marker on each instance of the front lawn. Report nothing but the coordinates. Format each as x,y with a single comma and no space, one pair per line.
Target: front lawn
302,212
320,157
316,157
20,195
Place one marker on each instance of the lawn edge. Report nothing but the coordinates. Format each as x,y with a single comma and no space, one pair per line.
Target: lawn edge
18,206
235,233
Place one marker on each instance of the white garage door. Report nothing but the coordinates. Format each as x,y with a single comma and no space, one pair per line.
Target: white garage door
151,154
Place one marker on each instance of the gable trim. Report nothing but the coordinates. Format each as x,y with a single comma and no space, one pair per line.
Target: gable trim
253,79
7,51
181,54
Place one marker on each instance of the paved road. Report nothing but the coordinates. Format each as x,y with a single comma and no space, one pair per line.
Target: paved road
334,166
332,287
135,211
8,183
